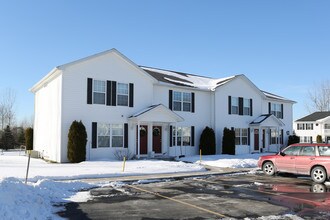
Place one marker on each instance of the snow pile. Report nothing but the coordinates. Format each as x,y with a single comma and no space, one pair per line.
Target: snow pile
226,161
35,200
12,165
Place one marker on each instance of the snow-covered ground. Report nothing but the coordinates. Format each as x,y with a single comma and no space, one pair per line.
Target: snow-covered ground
36,199
232,161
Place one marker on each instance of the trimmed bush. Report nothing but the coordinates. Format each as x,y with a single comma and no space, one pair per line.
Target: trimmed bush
77,139
228,141
293,139
29,138
207,141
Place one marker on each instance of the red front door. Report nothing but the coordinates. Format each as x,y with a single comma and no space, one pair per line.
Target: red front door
157,139
143,139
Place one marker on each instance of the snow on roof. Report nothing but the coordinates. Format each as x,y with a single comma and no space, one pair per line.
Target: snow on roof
184,79
144,110
260,119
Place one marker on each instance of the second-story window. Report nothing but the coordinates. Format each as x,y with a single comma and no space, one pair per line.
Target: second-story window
246,107
309,126
181,101
326,126
99,89
300,126
276,109
122,94
234,105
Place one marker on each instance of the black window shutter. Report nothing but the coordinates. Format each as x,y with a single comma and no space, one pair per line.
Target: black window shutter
108,92
171,138
170,99
89,90
312,126
282,113
229,105
125,135
192,142
251,107
94,134
249,136
192,102
240,106
282,138
269,108
131,95
113,93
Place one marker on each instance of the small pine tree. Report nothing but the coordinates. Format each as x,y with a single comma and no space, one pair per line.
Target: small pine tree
7,139
29,138
228,141
207,141
77,139
318,139
293,139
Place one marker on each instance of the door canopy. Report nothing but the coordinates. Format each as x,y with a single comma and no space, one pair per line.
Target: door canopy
156,113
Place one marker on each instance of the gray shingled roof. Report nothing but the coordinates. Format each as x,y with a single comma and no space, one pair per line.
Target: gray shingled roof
314,116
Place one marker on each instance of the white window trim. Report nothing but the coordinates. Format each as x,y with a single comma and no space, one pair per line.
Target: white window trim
236,106
122,94
240,136
175,133
105,92
248,103
110,135
181,101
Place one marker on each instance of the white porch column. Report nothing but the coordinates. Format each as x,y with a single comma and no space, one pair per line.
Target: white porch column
176,137
150,135
138,138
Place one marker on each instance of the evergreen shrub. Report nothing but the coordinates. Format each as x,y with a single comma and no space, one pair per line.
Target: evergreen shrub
207,141
77,139
228,142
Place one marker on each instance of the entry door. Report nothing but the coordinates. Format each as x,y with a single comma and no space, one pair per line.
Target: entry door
143,139
263,138
157,139
256,139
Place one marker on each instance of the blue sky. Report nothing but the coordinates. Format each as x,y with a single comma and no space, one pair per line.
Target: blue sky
282,46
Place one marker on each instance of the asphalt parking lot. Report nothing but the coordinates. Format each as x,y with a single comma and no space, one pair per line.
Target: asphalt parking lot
214,197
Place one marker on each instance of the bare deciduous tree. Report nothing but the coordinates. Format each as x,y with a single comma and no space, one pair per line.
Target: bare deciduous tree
319,97
7,112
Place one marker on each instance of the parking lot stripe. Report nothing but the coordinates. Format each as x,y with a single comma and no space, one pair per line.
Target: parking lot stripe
178,201
270,193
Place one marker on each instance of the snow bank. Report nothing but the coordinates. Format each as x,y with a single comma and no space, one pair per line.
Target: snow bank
12,165
35,200
226,161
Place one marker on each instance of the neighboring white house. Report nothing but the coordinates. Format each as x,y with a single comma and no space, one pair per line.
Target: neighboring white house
310,126
113,97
